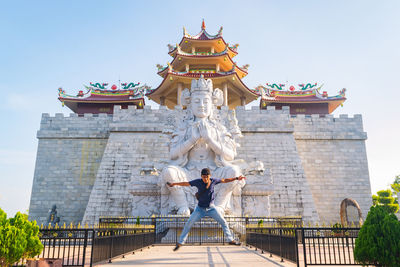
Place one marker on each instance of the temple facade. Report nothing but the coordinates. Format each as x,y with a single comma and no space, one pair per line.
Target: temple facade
107,158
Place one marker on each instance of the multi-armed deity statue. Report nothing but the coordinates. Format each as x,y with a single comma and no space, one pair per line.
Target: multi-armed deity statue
203,140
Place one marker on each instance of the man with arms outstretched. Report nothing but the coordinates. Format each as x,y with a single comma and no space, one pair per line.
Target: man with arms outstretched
205,207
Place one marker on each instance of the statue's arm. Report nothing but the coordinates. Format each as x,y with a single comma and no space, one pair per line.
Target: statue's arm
182,148
222,149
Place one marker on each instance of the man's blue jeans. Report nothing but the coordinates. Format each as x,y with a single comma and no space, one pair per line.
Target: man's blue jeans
199,213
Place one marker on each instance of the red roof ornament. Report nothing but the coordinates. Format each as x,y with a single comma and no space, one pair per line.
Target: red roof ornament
203,25
292,88
114,87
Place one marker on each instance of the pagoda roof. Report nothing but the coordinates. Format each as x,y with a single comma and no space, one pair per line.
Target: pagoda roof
203,37
173,77
311,96
203,34
177,50
223,58
93,95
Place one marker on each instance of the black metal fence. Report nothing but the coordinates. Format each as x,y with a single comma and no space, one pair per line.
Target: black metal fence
111,243
206,231
284,237
80,247
329,246
73,246
306,246
278,241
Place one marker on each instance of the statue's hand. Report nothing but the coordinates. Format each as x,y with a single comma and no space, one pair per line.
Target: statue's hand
195,133
205,131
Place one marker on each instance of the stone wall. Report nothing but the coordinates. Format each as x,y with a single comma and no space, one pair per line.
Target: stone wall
333,155
69,153
268,136
135,139
87,165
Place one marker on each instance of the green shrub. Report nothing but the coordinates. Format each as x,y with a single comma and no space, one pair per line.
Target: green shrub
18,239
385,198
378,242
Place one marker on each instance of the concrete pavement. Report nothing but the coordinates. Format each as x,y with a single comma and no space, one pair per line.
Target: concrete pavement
212,255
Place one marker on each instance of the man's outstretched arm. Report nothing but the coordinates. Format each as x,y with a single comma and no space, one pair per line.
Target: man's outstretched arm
228,180
180,184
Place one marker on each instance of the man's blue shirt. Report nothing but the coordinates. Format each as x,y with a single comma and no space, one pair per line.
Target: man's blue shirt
206,198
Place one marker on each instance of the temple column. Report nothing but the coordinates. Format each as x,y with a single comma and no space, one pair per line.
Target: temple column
162,100
178,101
193,50
212,49
242,100
225,88
217,67
187,67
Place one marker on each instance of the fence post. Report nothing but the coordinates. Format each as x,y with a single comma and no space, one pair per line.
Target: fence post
296,236
176,230
111,247
91,251
123,245
84,247
280,243
303,240
269,242
201,236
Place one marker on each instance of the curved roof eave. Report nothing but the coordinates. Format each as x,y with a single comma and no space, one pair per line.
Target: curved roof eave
99,101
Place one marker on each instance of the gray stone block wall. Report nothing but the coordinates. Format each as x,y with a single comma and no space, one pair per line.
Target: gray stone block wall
135,138
85,164
268,136
333,155
69,153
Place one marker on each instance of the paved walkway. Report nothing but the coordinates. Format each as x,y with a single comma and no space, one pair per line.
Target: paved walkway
199,256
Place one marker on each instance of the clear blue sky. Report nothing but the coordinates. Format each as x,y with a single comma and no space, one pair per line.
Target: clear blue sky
48,44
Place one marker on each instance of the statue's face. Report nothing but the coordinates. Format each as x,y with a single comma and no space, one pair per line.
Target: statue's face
201,104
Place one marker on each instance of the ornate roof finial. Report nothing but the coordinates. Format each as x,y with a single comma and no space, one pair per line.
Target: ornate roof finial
184,31
220,31
203,25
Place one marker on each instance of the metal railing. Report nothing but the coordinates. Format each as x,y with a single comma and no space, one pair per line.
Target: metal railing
73,246
306,246
278,241
207,230
111,243
80,247
329,246
284,237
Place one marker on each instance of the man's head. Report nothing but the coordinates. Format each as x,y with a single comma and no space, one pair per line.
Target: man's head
205,175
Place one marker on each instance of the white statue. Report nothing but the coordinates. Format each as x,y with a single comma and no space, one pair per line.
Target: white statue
202,141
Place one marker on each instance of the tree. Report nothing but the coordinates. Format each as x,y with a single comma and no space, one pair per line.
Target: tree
396,187
18,239
384,198
378,242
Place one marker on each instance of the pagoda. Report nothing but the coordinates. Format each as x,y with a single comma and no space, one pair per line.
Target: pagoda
97,98
207,55
306,99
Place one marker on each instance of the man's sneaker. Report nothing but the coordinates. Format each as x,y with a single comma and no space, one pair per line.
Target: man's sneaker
177,246
235,243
